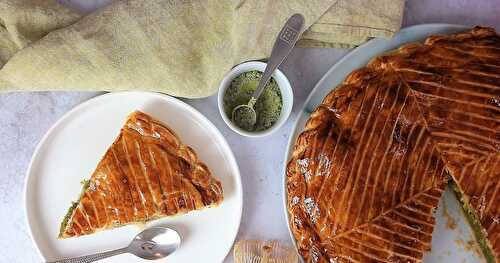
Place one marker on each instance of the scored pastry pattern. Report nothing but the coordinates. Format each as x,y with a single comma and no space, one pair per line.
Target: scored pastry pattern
369,168
147,173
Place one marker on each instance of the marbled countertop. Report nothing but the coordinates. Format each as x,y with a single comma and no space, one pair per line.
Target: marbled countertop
25,117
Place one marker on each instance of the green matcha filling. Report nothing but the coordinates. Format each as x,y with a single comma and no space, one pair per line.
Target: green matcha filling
475,224
64,223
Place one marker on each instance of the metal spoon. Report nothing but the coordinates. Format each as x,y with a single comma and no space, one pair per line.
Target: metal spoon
244,115
152,243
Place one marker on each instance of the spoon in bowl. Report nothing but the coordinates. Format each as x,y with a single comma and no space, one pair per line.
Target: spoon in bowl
244,116
152,243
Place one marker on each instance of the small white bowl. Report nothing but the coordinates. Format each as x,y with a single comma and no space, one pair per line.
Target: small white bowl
283,84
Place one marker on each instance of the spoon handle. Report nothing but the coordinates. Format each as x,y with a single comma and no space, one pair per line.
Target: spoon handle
92,258
283,45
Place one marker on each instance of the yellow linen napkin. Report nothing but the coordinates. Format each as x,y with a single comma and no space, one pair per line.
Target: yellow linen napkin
182,48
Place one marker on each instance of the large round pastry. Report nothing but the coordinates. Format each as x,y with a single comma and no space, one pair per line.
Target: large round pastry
367,172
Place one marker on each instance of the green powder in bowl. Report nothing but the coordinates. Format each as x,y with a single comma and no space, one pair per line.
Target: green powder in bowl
268,106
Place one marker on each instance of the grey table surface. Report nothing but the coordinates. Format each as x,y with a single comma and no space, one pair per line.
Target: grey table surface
25,117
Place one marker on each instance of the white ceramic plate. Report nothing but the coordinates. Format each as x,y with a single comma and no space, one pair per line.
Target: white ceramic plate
70,151
452,239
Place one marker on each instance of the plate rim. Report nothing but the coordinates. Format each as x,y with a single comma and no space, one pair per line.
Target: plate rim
81,106
321,82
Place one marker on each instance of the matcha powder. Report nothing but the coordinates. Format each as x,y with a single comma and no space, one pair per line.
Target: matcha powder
268,106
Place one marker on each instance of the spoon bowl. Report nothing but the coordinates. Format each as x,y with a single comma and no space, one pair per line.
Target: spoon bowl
244,116
155,243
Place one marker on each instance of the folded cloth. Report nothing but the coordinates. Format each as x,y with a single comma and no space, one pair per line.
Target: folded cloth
182,48
25,21
349,23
